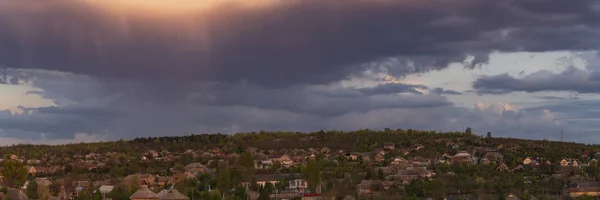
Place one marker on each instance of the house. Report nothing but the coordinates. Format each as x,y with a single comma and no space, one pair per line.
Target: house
494,157
485,161
462,158
43,182
512,197
452,145
416,147
281,159
398,161
518,168
295,181
366,157
369,186
252,150
162,181
502,167
92,156
389,146
33,162
212,164
353,155
178,177
142,179
265,163
379,158
171,194
527,161
379,152
83,184
195,168
386,170
105,189
31,170
143,194
153,153
258,164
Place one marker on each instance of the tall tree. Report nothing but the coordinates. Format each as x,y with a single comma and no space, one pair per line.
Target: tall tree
14,173
224,180
32,189
246,160
312,173
264,195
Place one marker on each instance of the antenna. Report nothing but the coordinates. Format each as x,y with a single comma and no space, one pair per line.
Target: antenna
561,135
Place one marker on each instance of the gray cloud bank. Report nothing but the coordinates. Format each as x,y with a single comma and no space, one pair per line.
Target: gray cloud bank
572,79
581,80
287,42
233,68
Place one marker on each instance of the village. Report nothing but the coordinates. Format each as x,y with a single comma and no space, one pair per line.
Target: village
389,171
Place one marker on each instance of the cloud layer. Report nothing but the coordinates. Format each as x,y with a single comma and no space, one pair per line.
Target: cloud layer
283,43
175,68
572,79
581,80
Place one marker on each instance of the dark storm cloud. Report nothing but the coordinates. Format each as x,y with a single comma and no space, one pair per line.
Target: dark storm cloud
57,122
314,100
289,42
391,88
443,91
74,111
571,79
555,98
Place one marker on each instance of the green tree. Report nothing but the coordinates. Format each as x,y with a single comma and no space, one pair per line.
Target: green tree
281,185
224,180
269,187
468,131
14,173
312,173
246,160
32,189
380,174
240,192
264,195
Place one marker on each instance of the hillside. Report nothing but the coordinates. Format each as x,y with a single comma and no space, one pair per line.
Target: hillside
361,141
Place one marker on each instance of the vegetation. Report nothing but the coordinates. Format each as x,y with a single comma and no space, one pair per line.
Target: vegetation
14,173
338,176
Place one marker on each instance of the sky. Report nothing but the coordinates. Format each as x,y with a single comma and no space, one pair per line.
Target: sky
99,70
